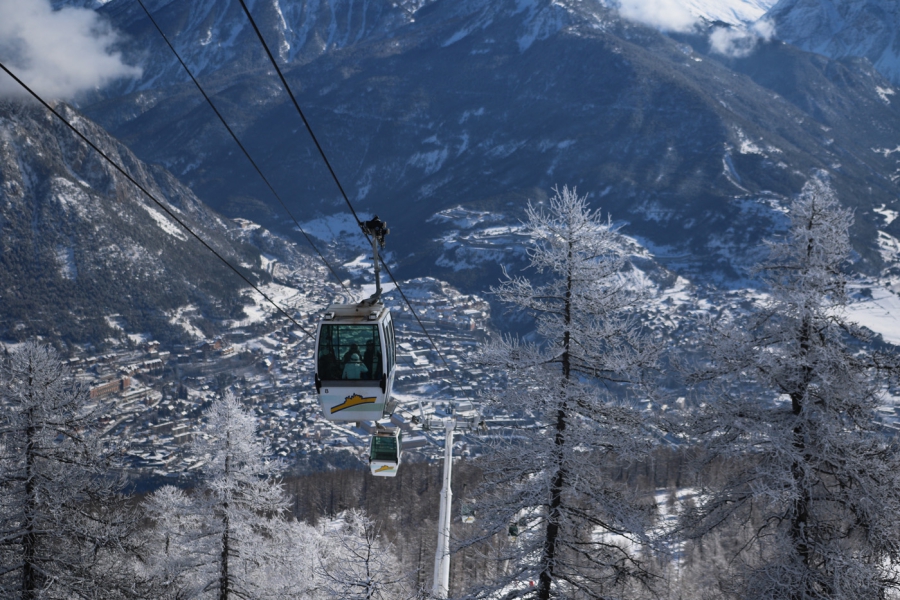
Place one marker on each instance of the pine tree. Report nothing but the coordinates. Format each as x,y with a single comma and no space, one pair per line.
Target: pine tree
239,504
812,481
361,565
64,527
578,533
173,534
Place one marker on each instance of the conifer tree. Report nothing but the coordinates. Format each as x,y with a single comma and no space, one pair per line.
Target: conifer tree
64,527
576,532
791,390
361,565
239,504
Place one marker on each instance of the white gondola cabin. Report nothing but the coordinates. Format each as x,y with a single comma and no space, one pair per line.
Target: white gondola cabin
466,513
384,452
355,362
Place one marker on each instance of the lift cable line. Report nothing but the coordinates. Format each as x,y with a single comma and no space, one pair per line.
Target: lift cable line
240,145
343,193
271,188
299,110
172,215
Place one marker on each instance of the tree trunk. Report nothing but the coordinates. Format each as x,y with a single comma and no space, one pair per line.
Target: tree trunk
224,582
29,539
545,579
800,508
223,571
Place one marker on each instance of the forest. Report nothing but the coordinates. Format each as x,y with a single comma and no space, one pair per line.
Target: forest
768,476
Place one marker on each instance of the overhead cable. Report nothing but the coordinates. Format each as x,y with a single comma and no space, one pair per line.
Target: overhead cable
241,146
341,188
166,209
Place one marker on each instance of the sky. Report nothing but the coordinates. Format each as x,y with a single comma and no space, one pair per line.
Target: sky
60,53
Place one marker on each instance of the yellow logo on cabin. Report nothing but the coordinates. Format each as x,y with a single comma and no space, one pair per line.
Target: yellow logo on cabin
354,400
384,468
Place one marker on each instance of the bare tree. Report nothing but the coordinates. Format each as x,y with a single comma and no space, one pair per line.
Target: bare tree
810,478
170,561
239,504
361,565
63,523
577,533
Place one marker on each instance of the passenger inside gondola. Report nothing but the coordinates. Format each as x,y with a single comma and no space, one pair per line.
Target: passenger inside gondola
354,349
355,369
329,366
338,344
372,360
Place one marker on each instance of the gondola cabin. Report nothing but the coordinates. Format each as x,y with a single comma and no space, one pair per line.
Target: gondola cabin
466,513
355,362
384,452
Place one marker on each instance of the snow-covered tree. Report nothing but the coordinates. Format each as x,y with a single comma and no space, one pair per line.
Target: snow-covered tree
63,522
579,532
238,504
175,529
361,565
806,474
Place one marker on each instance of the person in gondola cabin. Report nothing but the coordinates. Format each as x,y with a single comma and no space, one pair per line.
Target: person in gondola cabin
329,367
355,368
372,359
354,349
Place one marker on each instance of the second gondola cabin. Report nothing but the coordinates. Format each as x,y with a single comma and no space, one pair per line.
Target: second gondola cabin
355,362
384,452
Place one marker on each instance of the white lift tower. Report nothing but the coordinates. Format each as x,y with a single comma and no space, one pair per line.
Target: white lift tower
442,555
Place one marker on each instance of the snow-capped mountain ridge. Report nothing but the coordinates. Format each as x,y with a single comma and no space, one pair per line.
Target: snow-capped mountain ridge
842,28
211,35
485,104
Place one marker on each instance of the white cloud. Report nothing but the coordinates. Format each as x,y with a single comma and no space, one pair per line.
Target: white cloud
666,15
56,53
739,43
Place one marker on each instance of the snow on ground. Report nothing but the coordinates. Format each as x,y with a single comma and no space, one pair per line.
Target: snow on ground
165,223
340,229
479,239
669,505
683,15
65,258
179,317
368,289
139,338
880,313
359,265
888,214
114,322
734,12
286,297
889,247
464,217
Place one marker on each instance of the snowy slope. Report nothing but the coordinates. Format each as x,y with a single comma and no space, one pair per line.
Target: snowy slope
79,242
840,28
685,15
730,11
734,12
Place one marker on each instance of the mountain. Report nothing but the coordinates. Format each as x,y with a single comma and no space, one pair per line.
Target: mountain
212,35
844,28
484,104
86,257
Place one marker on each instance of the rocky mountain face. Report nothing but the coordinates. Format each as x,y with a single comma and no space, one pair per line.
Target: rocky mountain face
485,104
212,35
844,28
85,256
